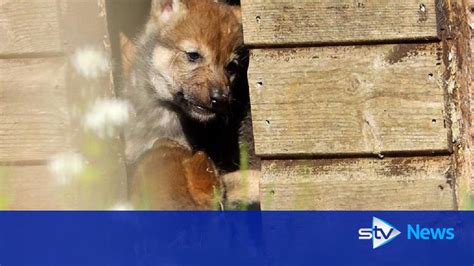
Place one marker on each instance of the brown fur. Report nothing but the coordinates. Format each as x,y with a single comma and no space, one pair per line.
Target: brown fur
171,94
214,31
171,177
173,115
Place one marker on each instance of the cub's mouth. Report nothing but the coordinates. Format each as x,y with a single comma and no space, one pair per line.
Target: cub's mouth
193,109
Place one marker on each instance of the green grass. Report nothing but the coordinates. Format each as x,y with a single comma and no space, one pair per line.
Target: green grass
244,166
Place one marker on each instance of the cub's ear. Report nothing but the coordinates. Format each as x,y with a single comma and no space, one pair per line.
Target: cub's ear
166,11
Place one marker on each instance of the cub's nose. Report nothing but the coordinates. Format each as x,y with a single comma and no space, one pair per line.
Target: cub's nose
219,99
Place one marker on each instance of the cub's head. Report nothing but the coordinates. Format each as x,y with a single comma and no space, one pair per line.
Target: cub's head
196,52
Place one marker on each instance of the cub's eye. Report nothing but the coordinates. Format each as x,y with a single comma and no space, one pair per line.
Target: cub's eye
232,68
193,56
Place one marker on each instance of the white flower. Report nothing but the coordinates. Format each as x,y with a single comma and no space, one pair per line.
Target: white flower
106,115
91,63
66,166
123,206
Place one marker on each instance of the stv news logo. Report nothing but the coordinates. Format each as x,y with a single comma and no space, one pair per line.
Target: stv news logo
382,233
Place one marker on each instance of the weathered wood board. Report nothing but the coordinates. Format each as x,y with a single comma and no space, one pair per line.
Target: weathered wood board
84,24
472,82
471,23
29,26
348,100
32,188
458,78
289,22
420,183
103,183
52,74
37,187
33,110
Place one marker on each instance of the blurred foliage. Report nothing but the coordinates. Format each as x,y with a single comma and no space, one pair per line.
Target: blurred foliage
99,183
244,166
93,147
244,156
466,198
90,175
470,203
4,200
217,199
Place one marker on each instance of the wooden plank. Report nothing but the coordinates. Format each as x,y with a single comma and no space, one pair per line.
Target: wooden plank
289,22
472,102
38,187
29,26
84,24
33,113
471,43
456,44
89,84
422,183
348,100
32,188
44,97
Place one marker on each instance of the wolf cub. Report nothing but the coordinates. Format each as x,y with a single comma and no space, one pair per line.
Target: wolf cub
180,84
185,80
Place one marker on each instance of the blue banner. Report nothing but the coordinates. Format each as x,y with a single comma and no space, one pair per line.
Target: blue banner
236,238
